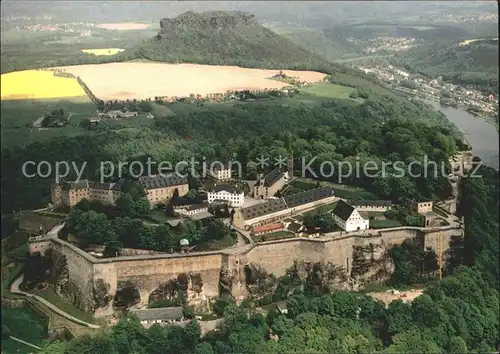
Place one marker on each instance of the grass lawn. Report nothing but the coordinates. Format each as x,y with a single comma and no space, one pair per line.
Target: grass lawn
350,192
9,274
215,245
17,239
157,216
49,295
24,323
329,91
350,80
303,184
382,224
279,235
18,115
19,253
341,190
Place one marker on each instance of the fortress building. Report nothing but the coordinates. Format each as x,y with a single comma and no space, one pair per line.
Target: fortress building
158,189
348,218
268,185
71,193
219,171
275,210
223,192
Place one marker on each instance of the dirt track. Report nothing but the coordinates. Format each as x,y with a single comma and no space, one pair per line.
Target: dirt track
388,297
147,80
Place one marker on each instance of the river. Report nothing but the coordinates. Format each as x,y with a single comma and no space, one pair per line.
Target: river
482,136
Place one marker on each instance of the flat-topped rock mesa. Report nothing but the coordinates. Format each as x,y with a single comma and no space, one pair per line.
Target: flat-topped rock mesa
207,21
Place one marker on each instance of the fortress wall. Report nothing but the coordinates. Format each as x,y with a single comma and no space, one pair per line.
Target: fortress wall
148,275
80,273
107,273
150,272
432,239
339,251
275,256
398,235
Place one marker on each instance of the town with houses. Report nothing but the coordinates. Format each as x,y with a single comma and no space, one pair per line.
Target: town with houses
435,89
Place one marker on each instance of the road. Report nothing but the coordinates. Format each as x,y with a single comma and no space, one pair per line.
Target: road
14,288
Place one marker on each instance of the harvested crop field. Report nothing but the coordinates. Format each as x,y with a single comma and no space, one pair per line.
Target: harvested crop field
103,51
147,80
34,84
123,26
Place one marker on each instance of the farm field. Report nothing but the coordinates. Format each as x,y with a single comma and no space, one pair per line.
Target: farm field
35,84
103,51
18,116
147,80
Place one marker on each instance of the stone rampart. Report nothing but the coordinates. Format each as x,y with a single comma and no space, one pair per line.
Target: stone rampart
93,280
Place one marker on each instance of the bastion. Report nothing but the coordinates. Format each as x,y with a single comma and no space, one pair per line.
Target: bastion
92,284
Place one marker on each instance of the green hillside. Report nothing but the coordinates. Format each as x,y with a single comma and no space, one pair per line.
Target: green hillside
316,42
475,63
223,38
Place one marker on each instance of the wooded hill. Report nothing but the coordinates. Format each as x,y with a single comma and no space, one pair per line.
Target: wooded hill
223,38
475,63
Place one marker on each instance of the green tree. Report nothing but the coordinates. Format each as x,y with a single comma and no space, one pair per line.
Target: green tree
221,304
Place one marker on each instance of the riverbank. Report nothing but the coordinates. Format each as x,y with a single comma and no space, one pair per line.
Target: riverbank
480,134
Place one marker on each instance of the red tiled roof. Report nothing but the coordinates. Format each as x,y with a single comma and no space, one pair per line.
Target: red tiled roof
269,227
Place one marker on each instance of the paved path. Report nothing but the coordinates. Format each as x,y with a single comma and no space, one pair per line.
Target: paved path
15,289
25,343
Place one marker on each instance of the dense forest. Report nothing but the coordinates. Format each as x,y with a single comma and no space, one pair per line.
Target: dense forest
456,315
475,63
380,130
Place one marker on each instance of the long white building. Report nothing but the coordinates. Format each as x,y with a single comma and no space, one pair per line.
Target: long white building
223,192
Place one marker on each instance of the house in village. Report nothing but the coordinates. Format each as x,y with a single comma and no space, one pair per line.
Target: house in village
233,196
348,218
115,114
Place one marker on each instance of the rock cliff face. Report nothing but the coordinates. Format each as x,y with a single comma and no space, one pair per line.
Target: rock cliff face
371,264
321,277
59,279
210,21
258,281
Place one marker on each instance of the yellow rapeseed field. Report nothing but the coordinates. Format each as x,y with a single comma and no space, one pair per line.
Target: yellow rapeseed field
33,84
106,51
